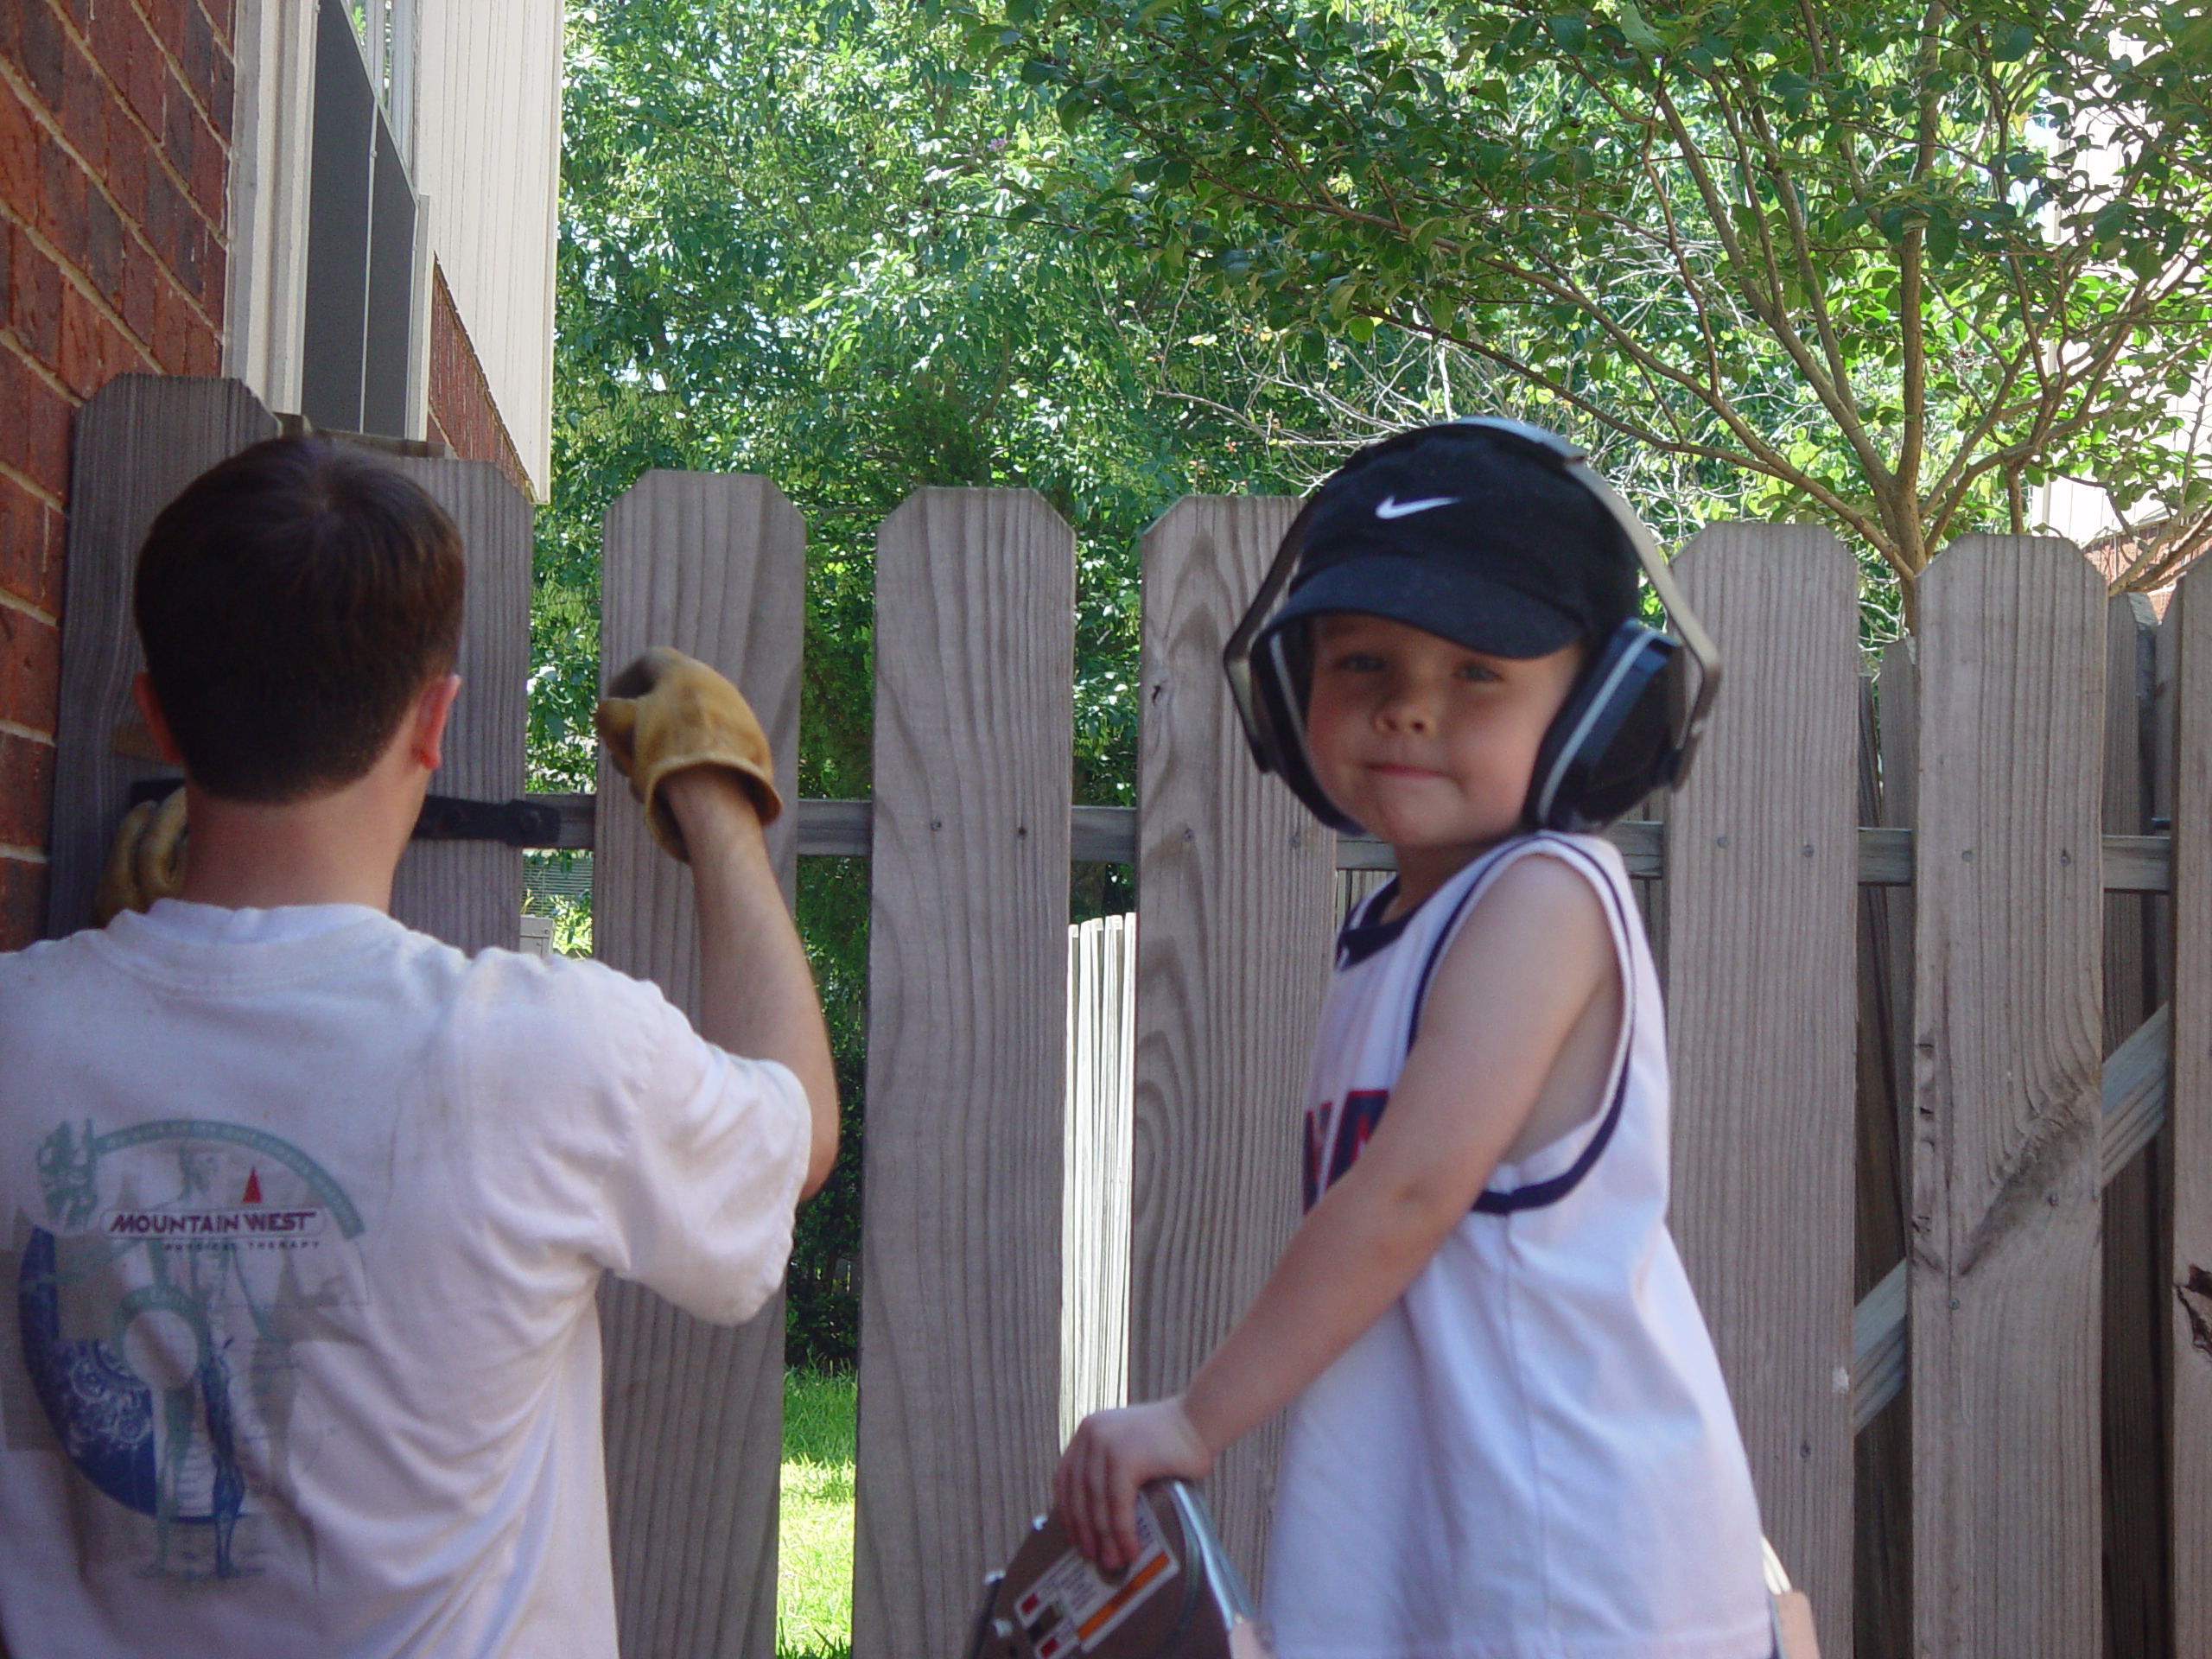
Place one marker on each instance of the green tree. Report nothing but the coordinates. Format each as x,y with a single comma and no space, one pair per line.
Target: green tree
1894,264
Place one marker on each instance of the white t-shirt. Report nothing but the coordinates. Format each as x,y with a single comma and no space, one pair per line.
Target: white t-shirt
306,1217
1531,1454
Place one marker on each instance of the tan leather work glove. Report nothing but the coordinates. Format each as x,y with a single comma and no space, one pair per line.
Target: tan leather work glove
667,711
145,861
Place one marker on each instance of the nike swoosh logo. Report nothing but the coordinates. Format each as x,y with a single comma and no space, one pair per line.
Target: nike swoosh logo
1390,507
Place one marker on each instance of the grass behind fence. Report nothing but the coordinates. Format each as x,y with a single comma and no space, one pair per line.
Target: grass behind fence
814,1570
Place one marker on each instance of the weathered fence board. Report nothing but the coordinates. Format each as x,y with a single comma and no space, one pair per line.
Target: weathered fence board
2134,1459
1095,1194
2006,1008
960,1282
716,567
140,439
1881,1570
2189,692
1762,890
469,893
1236,893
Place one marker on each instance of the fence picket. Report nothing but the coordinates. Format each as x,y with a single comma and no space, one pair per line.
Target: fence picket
1237,884
2134,1461
140,439
1095,1194
469,893
1882,1520
2006,1160
716,567
960,1284
2189,690
1762,884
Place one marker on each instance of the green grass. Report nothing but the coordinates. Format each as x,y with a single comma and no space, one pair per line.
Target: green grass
814,1556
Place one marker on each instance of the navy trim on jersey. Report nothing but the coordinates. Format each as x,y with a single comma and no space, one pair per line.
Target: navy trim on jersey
1537,1194
1360,936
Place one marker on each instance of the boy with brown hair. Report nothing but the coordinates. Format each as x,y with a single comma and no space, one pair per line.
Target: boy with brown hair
1508,1435
307,1212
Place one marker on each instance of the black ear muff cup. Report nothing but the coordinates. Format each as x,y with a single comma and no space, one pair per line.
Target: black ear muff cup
1283,677
1613,742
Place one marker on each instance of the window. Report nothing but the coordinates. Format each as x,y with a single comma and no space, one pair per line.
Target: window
363,288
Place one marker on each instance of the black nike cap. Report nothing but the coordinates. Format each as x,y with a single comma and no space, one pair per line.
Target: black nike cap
1468,533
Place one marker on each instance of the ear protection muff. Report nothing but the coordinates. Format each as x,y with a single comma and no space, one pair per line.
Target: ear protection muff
1628,728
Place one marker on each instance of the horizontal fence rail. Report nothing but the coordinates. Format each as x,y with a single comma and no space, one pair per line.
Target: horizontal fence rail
1107,834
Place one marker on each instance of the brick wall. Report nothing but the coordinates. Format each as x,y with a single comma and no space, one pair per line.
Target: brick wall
115,130
462,415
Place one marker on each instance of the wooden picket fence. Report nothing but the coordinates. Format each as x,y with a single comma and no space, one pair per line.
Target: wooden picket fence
1954,1256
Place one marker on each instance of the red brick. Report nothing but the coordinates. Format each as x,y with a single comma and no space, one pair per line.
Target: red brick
83,103
103,246
167,18
26,789
78,359
211,164
34,425
44,50
222,91
61,201
167,348
141,280
223,15
213,293
34,298
114,37
20,145
30,669
180,128
30,547
23,902
198,57
126,161
164,212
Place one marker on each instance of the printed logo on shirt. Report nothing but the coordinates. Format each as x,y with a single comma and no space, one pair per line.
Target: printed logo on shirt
1334,1139
159,1307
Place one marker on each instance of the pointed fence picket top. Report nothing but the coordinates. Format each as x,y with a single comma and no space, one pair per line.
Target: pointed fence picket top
1236,886
1762,885
968,957
140,439
2005,1285
469,893
714,566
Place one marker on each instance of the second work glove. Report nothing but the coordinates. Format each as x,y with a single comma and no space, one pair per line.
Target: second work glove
667,712
145,861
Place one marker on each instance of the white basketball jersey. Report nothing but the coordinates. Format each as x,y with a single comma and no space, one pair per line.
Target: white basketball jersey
1531,1454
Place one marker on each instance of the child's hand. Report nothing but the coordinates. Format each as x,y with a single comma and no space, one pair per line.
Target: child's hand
1112,1454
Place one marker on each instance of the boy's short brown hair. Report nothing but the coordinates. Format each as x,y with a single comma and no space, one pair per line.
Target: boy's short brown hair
293,601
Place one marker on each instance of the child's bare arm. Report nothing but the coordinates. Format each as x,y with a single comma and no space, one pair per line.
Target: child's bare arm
1530,964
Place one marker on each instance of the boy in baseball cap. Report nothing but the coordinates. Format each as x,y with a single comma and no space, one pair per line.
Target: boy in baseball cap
1507,1431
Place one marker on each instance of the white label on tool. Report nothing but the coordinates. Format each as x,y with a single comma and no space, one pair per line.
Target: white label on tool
1073,1607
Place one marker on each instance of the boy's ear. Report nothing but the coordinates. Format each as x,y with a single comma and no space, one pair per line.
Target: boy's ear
427,720
158,723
